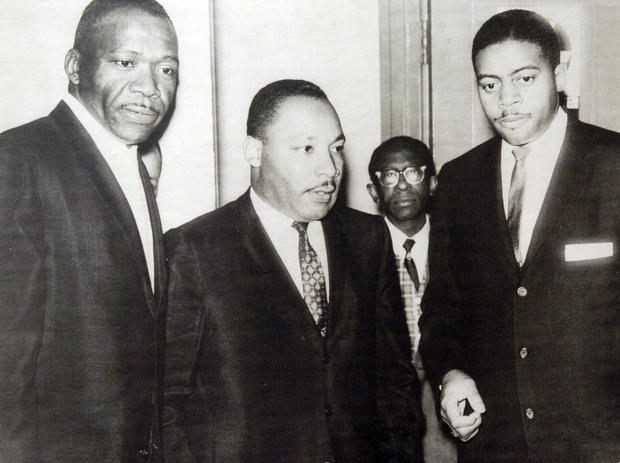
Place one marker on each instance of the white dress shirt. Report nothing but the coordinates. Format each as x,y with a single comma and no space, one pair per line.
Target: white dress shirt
539,165
123,161
285,239
419,251
412,298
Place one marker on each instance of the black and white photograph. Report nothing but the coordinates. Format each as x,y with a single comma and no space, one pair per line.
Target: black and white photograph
310,231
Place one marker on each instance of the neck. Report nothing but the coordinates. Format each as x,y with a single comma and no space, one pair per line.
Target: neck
409,227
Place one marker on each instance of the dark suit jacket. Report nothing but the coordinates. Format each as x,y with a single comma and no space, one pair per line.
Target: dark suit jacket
545,337
78,318
267,387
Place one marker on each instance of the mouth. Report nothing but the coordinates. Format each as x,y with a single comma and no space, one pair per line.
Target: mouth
323,193
140,114
513,121
403,202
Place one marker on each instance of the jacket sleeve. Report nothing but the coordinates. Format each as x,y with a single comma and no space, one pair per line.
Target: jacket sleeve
441,319
22,305
184,327
399,407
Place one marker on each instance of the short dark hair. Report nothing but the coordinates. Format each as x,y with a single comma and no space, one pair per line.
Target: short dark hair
520,25
265,103
400,143
96,10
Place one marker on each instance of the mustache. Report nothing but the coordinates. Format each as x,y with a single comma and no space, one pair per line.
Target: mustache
328,186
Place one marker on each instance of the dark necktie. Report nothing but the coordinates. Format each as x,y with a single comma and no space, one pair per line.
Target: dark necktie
410,264
515,199
151,202
313,278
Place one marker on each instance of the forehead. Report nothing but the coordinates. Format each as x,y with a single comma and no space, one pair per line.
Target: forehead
304,117
400,158
137,29
509,55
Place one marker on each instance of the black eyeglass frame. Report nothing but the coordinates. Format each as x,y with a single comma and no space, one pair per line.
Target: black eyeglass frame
400,172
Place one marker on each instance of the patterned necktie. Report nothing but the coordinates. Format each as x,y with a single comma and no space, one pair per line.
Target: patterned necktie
410,264
313,278
515,199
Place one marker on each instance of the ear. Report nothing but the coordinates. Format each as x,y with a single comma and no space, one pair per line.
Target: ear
560,77
253,151
72,66
432,185
372,191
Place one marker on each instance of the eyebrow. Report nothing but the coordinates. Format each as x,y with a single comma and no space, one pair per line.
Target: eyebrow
135,53
312,138
516,71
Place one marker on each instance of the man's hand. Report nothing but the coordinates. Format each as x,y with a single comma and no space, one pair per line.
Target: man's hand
457,391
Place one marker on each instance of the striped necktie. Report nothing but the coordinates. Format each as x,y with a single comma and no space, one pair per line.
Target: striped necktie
515,199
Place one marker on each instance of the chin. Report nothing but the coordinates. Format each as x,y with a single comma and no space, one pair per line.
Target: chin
316,213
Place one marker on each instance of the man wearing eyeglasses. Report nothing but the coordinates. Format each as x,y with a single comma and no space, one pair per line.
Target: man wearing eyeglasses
403,180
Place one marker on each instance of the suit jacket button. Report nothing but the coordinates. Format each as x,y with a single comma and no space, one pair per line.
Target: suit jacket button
523,352
529,413
143,453
326,357
522,291
329,410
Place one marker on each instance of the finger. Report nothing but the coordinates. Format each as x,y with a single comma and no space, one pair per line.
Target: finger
449,410
476,402
470,437
465,421
465,431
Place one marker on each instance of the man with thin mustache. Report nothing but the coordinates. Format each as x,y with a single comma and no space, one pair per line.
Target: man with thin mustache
521,317
286,338
81,253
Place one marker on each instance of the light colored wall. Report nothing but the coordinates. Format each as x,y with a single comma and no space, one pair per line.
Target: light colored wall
334,44
36,34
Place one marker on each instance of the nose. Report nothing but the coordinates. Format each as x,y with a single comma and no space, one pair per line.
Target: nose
326,166
509,95
145,82
402,184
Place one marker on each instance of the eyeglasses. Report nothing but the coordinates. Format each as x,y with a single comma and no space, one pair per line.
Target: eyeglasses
390,177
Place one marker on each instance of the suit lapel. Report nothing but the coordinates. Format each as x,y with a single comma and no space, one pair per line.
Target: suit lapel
264,255
568,170
101,177
336,249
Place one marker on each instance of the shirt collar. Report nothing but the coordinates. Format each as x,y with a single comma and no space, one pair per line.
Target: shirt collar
270,217
106,142
549,143
398,237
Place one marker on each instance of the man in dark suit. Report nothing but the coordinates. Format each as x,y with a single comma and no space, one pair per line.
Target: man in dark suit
521,317
286,335
82,258
402,174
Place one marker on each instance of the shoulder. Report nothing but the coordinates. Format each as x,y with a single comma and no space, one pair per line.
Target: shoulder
361,230
220,220
221,223
28,138
21,148
356,222
597,138
469,162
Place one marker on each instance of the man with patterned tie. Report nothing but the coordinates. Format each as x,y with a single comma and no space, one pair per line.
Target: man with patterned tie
403,180
521,316
82,267
287,341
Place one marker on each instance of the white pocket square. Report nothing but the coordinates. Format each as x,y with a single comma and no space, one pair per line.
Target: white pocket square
587,251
